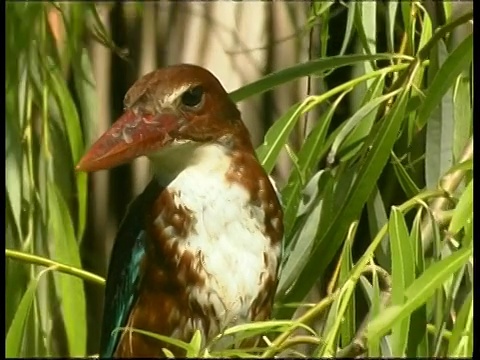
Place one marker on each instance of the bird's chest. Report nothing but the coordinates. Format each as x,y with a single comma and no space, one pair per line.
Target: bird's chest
219,249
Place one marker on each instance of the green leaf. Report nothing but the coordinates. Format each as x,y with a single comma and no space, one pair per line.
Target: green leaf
366,177
68,111
168,353
374,299
169,340
461,329
406,182
464,210
195,345
377,217
348,325
438,152
278,134
260,327
463,166
403,274
14,339
344,137
455,63
308,157
462,114
353,133
417,337
13,182
367,31
304,239
352,6
391,13
70,289
409,24
85,86
310,67
418,292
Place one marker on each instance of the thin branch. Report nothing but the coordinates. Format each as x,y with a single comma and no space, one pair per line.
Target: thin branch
66,269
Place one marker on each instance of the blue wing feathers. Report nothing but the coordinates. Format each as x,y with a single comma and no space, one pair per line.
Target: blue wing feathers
124,269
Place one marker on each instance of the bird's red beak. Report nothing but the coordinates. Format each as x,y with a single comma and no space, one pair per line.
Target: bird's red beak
129,137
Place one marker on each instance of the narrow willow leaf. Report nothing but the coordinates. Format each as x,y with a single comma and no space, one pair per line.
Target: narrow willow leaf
463,114
416,240
328,327
377,217
375,309
266,326
347,332
308,157
352,7
16,104
323,14
85,86
403,274
468,233
170,340
391,13
367,30
277,136
195,345
463,166
14,339
439,137
455,63
315,66
237,333
460,328
348,326
306,235
70,289
366,177
329,346
101,34
419,292
425,36
348,145
408,23
406,182
447,7
14,171
168,353
373,296
463,211
68,111
353,122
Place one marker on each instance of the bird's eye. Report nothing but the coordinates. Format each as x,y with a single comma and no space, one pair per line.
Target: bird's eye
192,97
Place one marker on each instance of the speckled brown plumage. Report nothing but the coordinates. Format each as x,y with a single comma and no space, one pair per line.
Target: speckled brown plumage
216,209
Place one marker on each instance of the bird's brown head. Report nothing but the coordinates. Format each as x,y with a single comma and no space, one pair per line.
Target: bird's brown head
174,105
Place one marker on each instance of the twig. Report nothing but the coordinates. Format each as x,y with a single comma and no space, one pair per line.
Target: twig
66,269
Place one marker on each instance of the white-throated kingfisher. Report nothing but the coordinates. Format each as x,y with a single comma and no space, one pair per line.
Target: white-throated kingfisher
200,248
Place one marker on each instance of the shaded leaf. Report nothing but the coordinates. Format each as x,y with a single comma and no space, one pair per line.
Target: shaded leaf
70,289
14,339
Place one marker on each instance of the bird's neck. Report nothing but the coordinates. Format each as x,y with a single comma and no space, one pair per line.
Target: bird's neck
208,159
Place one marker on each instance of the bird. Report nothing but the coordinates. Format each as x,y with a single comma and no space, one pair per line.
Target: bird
200,248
